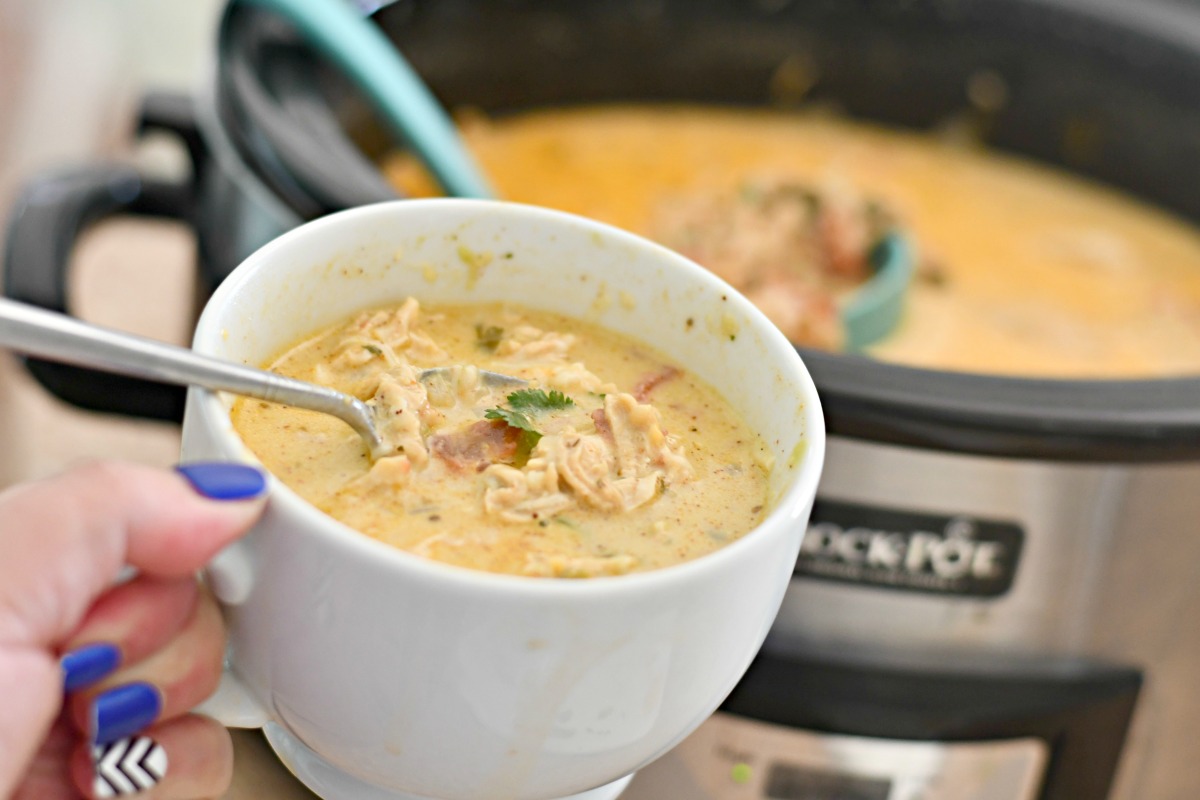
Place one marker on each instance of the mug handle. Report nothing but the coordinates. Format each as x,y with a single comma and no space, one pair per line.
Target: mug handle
233,705
230,577
50,215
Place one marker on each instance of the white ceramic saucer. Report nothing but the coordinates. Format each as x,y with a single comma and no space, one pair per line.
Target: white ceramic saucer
331,783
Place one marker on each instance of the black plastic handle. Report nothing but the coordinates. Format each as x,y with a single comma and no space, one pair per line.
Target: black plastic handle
50,215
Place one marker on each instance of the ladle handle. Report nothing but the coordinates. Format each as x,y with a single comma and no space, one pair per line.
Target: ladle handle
57,337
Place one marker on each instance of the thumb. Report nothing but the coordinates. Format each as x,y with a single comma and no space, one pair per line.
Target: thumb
64,541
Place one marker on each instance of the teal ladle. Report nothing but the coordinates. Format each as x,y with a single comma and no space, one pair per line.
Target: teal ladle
875,308
403,100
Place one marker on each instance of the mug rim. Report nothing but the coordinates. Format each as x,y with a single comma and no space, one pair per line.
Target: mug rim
789,508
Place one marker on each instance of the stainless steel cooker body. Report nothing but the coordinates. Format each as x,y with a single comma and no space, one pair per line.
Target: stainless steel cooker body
1003,573
1004,556
962,626
991,560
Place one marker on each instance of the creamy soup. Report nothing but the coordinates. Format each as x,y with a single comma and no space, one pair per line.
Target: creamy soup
610,459
1024,270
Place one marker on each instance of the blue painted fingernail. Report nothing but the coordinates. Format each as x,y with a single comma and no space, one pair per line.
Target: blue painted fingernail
124,711
219,480
85,665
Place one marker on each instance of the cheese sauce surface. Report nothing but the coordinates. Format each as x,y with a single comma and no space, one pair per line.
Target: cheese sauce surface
1025,270
609,460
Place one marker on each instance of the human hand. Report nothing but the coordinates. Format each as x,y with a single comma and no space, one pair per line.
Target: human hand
135,657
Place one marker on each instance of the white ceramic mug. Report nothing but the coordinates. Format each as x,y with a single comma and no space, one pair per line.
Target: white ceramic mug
381,674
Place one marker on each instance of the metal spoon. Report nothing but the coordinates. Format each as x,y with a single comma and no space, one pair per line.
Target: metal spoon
57,337
486,377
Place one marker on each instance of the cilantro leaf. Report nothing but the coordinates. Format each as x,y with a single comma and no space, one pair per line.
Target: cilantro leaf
523,403
532,400
513,417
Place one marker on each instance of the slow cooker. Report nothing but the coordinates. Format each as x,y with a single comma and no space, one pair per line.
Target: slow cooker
996,595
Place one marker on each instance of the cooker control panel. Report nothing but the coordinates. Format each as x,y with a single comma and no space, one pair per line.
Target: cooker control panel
733,758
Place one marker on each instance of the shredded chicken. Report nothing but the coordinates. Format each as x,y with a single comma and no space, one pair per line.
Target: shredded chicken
619,462
792,250
526,345
387,478
639,441
358,351
575,377
529,344
619,468
523,495
397,405
587,464
396,330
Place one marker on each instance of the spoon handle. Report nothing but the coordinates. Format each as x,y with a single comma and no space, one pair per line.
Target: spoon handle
57,337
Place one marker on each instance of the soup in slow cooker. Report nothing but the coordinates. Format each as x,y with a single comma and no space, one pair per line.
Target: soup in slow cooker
1022,269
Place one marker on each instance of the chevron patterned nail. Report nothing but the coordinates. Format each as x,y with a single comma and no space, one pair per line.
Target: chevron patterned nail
128,766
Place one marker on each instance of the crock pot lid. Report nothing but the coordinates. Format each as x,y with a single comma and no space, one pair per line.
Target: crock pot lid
1077,420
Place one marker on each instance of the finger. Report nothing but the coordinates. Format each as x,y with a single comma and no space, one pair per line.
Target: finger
67,538
182,673
48,776
30,684
127,624
185,759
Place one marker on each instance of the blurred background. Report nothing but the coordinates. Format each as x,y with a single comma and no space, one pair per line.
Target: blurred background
71,74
